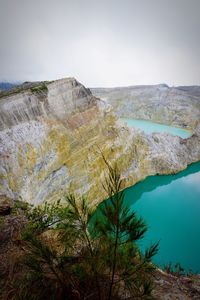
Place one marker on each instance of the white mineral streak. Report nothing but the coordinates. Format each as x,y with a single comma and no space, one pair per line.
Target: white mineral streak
51,140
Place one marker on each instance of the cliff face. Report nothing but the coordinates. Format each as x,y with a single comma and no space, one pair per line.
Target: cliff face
193,90
52,135
162,153
159,103
49,139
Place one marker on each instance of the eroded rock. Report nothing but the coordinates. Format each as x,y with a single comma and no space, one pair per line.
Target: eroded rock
52,136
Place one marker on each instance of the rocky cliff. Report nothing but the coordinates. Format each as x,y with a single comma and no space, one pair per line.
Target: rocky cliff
193,90
159,103
52,135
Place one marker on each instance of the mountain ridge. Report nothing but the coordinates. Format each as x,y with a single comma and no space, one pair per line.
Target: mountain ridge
158,103
53,134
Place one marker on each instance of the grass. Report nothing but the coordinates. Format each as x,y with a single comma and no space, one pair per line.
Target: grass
34,87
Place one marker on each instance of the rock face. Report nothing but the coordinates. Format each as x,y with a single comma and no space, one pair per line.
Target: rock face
161,153
193,90
50,138
52,135
159,103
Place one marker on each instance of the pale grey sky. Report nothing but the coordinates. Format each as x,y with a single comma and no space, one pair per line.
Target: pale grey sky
101,42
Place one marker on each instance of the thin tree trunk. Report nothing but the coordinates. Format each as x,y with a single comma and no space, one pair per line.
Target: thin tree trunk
114,260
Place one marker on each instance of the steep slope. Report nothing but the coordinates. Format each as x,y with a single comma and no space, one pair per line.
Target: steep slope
52,135
158,103
193,90
50,138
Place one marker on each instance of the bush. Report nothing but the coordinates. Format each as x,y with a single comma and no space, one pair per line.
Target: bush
71,253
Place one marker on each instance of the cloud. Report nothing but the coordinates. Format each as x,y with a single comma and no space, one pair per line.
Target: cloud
101,43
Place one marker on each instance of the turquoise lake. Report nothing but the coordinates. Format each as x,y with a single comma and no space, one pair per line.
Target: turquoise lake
149,127
170,206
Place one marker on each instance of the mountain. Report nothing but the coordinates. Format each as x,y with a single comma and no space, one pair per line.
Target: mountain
158,103
53,134
7,86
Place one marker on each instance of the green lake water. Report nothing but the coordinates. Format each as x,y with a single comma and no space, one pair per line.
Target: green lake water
170,206
149,127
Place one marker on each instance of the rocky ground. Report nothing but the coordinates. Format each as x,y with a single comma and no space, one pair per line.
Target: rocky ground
171,287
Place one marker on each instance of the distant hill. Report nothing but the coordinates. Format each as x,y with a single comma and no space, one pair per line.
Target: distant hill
177,106
7,85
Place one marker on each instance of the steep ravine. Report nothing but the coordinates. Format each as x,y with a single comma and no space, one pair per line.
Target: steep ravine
52,135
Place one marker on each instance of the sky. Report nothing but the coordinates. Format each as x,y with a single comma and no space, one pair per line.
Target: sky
101,42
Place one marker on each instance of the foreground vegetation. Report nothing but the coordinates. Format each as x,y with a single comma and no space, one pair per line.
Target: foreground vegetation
67,252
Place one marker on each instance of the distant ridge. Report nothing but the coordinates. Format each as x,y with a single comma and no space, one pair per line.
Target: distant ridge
193,90
177,106
7,85
190,90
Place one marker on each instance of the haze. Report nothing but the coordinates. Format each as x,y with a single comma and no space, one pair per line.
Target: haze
101,43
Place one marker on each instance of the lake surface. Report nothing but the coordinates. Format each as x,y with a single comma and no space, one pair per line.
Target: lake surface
170,206
149,127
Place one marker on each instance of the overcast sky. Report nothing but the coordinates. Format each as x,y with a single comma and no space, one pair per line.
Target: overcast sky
101,42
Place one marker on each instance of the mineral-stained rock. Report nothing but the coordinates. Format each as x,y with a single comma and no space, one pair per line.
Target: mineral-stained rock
159,103
51,138
52,135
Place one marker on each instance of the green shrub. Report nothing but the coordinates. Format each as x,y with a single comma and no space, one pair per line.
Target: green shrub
70,253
